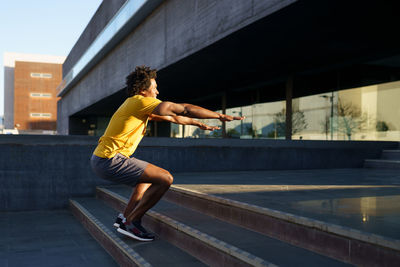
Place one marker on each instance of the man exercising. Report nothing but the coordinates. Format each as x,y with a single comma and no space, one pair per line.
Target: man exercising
112,159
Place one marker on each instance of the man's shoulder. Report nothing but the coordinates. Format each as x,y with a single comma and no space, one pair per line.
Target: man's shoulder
144,99
139,104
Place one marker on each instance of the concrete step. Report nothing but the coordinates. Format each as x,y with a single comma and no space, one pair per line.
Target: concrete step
382,164
339,242
98,219
391,154
208,249
261,246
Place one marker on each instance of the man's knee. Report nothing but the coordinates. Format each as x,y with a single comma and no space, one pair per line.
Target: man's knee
168,178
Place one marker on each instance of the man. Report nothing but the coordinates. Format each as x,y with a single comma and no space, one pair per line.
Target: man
112,159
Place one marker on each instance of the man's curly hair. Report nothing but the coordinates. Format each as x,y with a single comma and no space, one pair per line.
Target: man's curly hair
139,80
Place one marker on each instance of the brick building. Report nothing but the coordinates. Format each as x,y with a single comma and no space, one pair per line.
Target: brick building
30,102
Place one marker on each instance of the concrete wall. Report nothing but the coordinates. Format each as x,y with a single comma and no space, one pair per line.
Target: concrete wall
43,172
103,15
175,30
183,155
9,97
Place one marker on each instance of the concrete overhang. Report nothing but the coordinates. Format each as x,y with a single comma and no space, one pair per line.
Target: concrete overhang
115,31
315,41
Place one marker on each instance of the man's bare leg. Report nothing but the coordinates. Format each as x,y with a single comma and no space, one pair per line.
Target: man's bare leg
136,196
160,181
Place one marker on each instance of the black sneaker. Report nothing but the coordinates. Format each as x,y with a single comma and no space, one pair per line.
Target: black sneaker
136,231
120,219
138,224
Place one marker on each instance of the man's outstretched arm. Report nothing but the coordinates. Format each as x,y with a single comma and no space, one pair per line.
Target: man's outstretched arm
189,110
183,120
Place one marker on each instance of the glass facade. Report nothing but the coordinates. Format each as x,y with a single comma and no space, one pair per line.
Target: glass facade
363,113
374,109
264,120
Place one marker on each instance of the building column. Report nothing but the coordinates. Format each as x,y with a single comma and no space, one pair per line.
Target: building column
155,129
224,112
289,96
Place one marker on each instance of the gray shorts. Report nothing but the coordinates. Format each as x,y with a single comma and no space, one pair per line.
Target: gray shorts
119,169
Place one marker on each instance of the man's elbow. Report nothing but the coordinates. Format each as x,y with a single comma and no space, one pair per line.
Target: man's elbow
163,109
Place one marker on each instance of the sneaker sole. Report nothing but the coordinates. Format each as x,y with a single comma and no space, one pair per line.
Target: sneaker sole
116,225
133,236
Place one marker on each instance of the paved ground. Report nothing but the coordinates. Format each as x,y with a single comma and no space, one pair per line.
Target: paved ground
364,199
47,238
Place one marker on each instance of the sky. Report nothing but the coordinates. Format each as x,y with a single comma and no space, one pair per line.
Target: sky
48,27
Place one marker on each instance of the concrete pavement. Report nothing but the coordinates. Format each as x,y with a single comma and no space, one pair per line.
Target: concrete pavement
48,238
362,199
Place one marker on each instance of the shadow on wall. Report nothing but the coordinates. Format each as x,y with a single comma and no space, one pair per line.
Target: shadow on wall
43,125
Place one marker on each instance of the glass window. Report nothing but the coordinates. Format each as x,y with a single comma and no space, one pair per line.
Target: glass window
312,117
363,113
41,75
40,95
263,120
41,115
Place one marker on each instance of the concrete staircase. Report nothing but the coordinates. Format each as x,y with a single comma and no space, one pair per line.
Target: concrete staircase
390,159
195,229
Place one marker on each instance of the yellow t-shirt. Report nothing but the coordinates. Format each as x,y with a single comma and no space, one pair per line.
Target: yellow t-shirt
126,127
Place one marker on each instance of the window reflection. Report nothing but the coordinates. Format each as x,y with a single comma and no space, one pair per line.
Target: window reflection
364,113
365,207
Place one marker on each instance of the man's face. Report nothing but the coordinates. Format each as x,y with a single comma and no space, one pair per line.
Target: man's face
152,90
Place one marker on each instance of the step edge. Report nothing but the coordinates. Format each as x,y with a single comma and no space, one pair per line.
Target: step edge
125,248
203,237
343,231
382,161
211,241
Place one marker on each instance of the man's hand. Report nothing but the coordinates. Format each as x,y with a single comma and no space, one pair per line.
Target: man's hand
224,117
208,127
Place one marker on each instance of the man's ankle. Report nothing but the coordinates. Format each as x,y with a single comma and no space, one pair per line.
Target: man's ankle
133,221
